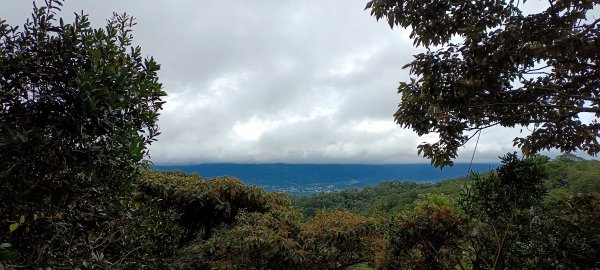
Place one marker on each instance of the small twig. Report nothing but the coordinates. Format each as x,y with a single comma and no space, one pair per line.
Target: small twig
120,260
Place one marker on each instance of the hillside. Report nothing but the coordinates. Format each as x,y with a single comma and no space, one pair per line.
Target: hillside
566,173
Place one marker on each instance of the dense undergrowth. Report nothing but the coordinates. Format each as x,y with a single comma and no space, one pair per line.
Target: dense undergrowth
524,215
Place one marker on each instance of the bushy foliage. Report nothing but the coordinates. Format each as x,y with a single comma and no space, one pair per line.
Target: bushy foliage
205,205
386,198
429,237
569,236
78,107
503,219
338,239
507,192
502,207
569,173
228,225
256,241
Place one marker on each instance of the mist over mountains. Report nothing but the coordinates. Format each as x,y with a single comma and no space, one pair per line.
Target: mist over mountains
314,178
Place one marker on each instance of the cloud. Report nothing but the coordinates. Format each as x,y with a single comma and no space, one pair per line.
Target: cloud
274,81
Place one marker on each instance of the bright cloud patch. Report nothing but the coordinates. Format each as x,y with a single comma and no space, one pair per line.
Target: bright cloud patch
251,130
376,126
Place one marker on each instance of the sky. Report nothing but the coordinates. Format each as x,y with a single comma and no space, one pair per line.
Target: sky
264,81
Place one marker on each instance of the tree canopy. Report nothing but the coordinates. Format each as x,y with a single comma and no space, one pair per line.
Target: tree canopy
76,103
78,108
488,63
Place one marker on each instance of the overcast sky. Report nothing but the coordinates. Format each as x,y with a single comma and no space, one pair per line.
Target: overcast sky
305,81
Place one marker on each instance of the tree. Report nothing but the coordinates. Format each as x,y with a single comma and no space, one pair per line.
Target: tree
223,224
338,239
76,104
569,237
256,241
502,205
508,69
78,108
429,237
207,204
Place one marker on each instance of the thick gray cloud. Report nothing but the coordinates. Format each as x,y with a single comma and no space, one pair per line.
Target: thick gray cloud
274,81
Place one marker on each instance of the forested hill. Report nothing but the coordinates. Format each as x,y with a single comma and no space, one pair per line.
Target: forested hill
566,173
315,178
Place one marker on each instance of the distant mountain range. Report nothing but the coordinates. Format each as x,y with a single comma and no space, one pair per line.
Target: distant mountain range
314,178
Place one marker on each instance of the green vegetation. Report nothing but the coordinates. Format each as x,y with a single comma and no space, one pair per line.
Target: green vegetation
385,198
504,67
566,174
510,218
78,109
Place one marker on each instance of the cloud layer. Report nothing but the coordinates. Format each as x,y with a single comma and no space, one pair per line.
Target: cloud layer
274,81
